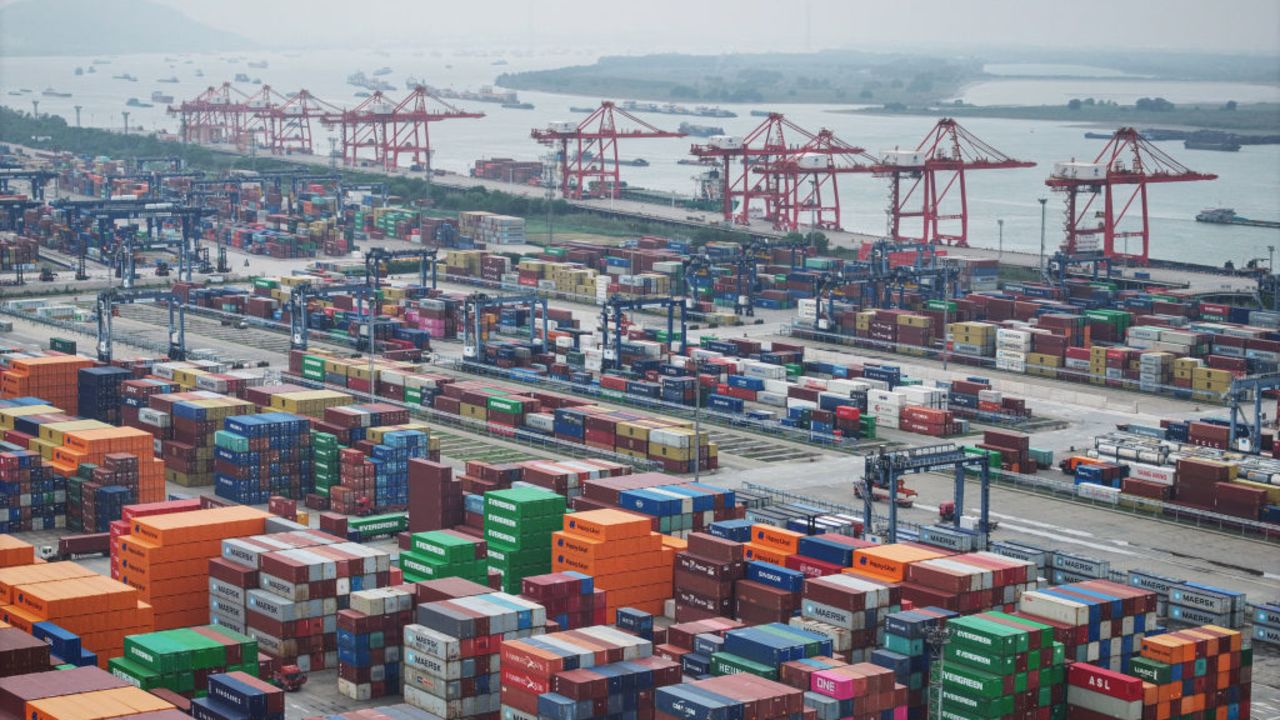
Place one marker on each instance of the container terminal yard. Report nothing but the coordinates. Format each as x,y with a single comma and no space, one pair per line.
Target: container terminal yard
325,451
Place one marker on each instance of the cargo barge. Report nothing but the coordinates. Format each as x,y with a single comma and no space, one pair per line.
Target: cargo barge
1228,216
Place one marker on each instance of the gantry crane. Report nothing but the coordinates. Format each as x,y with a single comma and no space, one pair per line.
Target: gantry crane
743,191
107,301
217,115
616,305
807,180
473,308
375,257
588,151
300,297
36,179
884,470
1128,159
921,182
393,129
288,124
107,212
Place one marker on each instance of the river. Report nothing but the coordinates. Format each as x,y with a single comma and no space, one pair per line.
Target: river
1249,180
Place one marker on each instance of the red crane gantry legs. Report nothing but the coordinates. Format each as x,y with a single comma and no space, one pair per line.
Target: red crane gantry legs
929,183
1120,174
587,152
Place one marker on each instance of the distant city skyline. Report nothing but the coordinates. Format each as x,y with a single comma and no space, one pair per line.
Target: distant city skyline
1229,26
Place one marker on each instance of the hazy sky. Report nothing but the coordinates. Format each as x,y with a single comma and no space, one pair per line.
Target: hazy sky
1251,26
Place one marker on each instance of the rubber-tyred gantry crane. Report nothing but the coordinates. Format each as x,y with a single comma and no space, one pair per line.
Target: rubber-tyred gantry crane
588,151
393,129
1128,159
922,182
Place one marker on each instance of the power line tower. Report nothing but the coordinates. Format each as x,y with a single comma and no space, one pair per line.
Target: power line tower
937,636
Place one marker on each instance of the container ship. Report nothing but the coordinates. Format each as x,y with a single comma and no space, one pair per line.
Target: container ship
672,109
1219,145
689,128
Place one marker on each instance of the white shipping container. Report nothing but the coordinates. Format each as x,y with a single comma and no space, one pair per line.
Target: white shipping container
777,386
154,418
1152,473
1098,492
541,421
807,308
771,398
885,397
799,403
1054,608
1105,705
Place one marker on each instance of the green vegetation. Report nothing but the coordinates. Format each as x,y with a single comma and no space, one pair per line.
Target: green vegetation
93,27
51,132
1147,112
829,76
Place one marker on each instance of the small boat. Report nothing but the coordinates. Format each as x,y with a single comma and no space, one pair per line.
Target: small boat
160,97
135,102
759,113
101,62
582,109
92,69
499,61
384,70
50,92
79,71
258,64
15,92
242,78
518,106
170,79
125,76
199,72
24,91
362,94
257,81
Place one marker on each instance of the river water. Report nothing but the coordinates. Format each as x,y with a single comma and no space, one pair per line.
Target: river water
1249,180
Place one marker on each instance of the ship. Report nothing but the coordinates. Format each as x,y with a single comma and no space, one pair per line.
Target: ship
135,102
518,106
79,71
1219,145
50,92
637,162
101,62
695,161
242,78
760,113
581,109
125,76
384,70
258,64
673,109
689,128
360,80
160,97
172,79
1098,136
1228,216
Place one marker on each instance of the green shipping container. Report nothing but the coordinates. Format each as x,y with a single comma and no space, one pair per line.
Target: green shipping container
62,345
135,673
971,681
443,546
505,405
723,663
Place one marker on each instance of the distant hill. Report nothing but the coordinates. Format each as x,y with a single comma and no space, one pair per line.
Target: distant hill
104,27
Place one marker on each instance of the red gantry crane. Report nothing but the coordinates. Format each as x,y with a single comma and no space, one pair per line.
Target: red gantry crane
289,123
217,115
935,168
1128,159
590,168
807,180
742,191
393,129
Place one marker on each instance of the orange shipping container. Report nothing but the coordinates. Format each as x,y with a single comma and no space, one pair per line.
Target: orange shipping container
14,552
200,525
889,562
99,705
784,541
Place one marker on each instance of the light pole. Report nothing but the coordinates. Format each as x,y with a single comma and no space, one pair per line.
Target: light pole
125,113
78,108
1000,251
35,109
1044,201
